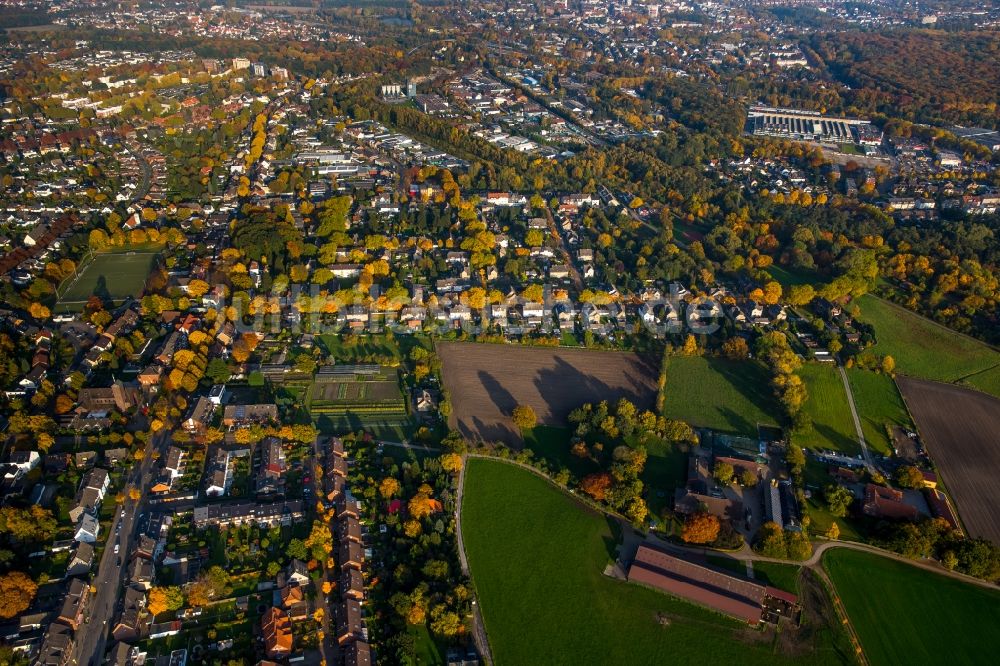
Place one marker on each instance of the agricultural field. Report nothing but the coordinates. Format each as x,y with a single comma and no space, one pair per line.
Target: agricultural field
925,349
537,557
879,405
113,276
728,396
933,619
827,410
486,382
357,395
959,427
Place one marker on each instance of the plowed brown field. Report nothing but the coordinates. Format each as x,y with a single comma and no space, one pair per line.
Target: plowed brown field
960,429
487,381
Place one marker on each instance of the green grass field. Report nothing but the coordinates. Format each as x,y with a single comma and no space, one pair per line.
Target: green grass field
111,276
925,349
879,404
827,410
537,557
793,277
552,444
905,615
729,396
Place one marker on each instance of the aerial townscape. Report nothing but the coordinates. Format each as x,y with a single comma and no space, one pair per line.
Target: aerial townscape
515,332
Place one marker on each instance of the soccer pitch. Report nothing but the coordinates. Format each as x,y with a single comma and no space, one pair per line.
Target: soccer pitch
113,276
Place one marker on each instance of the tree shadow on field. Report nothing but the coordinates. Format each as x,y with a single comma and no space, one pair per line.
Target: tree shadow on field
837,440
751,380
737,422
564,387
101,289
614,539
501,397
495,432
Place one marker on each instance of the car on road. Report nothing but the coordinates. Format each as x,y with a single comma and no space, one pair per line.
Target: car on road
117,546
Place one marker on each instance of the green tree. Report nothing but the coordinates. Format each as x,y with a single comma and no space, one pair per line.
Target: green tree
838,499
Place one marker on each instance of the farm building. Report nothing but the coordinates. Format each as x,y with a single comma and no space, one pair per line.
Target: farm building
881,502
722,592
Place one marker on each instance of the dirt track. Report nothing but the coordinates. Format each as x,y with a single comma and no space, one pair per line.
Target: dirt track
960,429
487,381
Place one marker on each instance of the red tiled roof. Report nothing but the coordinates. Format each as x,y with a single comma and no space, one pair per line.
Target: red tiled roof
721,592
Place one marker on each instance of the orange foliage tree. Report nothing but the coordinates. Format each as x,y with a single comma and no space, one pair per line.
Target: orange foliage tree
700,528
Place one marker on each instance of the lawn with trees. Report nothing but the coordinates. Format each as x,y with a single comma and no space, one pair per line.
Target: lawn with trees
934,619
827,412
537,557
925,349
879,406
718,393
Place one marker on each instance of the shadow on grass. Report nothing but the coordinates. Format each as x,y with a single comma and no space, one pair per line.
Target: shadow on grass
611,542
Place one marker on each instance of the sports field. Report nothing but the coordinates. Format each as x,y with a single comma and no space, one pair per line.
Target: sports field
111,276
537,557
905,615
925,349
828,411
728,396
879,405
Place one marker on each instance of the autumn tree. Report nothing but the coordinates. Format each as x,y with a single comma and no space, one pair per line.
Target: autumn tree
162,599
420,505
909,476
735,348
32,524
524,417
451,463
700,528
388,487
770,541
596,485
17,591
198,593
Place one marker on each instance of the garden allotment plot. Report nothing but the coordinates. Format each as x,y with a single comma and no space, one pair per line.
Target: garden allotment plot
348,395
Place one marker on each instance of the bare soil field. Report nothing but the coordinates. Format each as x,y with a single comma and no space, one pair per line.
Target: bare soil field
487,381
959,427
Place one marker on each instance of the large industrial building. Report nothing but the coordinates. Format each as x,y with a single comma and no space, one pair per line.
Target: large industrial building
810,126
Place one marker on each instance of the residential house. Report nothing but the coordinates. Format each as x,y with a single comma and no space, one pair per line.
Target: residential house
276,629
358,653
352,584
243,415
74,604
243,512
57,646
81,560
350,626
350,555
129,625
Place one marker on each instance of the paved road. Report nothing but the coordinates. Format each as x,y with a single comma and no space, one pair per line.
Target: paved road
112,571
857,421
